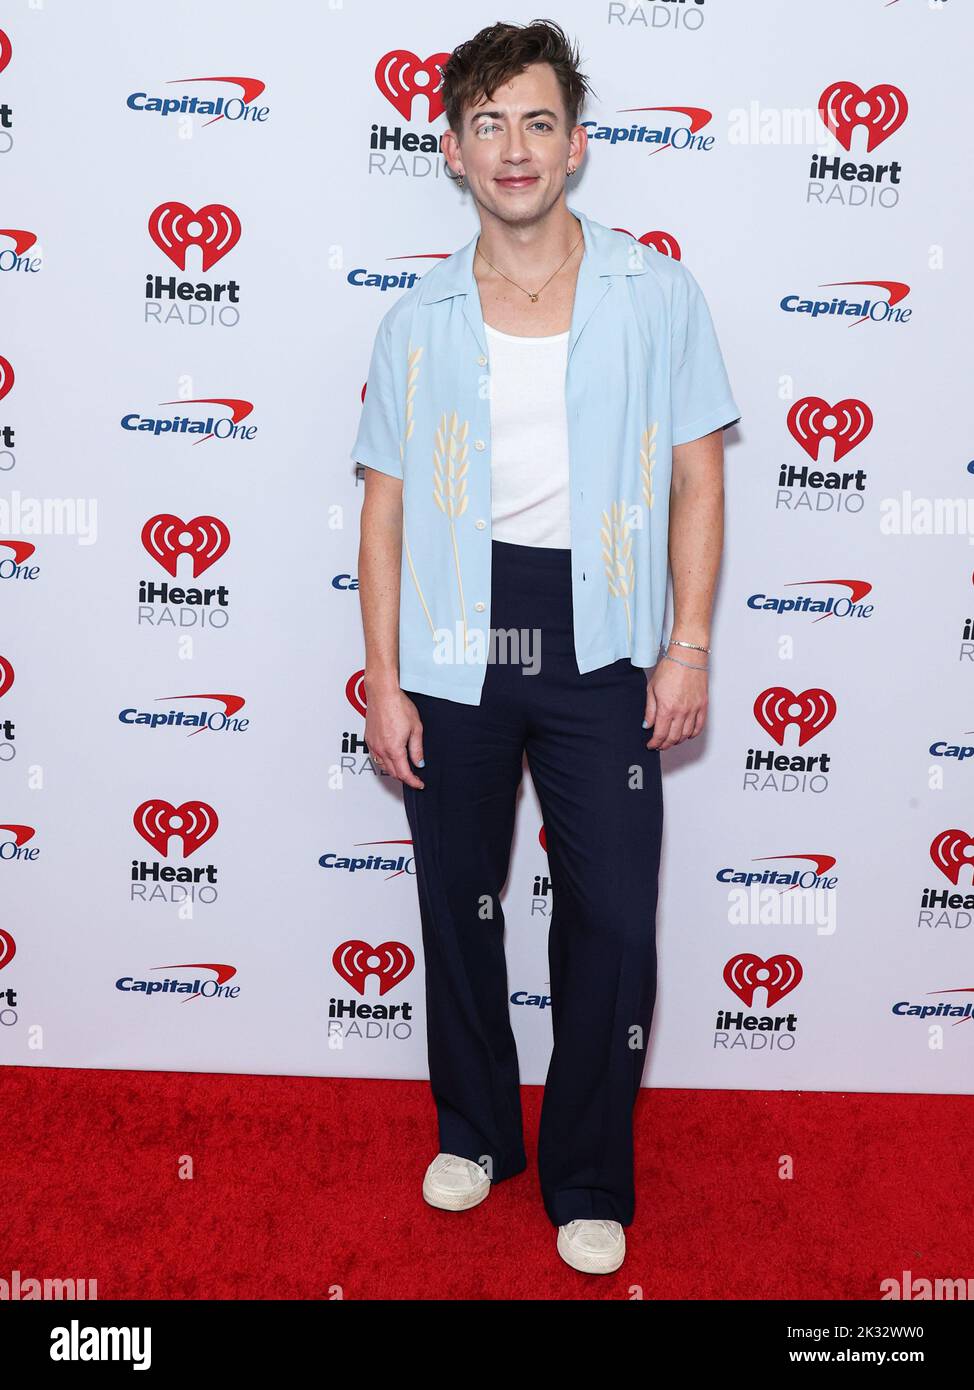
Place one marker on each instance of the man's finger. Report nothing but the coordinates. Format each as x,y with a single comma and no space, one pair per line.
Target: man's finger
402,770
661,730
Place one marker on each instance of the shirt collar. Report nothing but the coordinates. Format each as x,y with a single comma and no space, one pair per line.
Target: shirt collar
606,253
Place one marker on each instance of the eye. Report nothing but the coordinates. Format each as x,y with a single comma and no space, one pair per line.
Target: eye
544,123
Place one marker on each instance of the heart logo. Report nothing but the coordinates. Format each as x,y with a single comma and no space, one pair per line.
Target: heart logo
194,822
949,851
777,707
663,242
778,975
174,228
846,423
390,962
844,105
205,538
400,76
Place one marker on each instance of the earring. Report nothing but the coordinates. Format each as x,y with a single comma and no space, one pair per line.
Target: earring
570,172
460,181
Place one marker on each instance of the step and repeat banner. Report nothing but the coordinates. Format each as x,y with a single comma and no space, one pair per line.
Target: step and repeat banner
206,210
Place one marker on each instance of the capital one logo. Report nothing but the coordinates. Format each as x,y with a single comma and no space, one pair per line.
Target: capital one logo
174,228
193,823
847,423
778,707
389,962
22,835
205,538
951,851
22,238
19,550
882,110
778,976
401,77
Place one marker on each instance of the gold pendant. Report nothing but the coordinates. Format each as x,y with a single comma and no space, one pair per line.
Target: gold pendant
534,298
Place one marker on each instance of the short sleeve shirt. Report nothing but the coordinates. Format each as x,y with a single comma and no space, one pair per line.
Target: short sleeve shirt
644,373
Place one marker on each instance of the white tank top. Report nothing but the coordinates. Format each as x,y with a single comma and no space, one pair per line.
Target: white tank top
529,439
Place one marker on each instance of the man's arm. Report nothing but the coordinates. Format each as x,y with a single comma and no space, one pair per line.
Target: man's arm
676,695
392,721
379,561
696,538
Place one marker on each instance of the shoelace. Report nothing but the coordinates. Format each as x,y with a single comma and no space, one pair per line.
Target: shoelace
455,1163
607,1226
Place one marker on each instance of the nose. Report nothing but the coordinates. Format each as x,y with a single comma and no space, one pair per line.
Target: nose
514,151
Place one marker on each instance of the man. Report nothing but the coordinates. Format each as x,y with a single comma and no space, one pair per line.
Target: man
541,433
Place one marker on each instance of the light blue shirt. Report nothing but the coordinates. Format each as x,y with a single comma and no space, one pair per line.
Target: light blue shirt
644,373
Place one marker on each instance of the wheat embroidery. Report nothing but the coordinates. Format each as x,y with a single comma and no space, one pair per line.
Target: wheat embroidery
617,556
450,466
647,458
412,377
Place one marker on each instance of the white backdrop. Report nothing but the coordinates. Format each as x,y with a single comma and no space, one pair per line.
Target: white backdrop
306,949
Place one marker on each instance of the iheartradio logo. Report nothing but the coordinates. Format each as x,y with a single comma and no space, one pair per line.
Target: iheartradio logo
663,242
6,50
174,228
952,851
745,974
837,182
777,708
844,106
390,963
192,822
401,77
8,948
6,378
6,676
204,538
355,692
812,420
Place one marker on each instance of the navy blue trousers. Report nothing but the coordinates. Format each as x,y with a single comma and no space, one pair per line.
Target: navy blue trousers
600,792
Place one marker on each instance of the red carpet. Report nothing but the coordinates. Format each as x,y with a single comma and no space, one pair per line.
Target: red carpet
304,1187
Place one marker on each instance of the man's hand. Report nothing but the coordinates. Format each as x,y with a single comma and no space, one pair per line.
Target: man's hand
676,703
392,724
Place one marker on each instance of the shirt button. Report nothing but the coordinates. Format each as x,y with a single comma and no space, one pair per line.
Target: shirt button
479,607
481,361
480,525
479,444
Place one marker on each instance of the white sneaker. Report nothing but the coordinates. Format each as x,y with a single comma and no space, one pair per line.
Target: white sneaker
594,1247
455,1183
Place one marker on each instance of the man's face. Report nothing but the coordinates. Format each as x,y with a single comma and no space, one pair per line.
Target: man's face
516,147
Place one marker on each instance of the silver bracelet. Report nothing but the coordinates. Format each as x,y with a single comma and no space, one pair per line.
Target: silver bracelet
675,642
692,664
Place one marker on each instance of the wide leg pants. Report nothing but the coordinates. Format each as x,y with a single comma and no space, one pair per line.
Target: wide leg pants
600,792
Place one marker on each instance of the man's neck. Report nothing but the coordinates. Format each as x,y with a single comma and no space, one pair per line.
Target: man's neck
527,250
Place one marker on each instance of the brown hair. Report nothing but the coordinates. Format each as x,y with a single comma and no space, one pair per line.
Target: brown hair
477,67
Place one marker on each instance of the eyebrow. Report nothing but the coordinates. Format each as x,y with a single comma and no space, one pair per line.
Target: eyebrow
528,115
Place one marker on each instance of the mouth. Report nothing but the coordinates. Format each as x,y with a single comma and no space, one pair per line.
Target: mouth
519,182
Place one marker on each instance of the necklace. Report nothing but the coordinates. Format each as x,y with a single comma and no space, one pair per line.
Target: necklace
531,296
